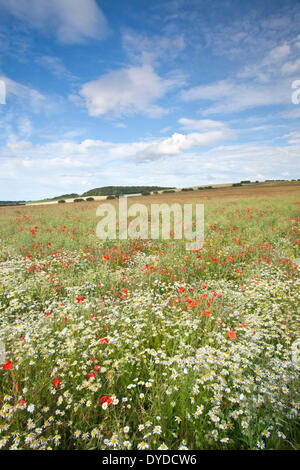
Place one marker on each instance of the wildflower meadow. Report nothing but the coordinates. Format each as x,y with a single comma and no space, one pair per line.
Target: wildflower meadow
141,344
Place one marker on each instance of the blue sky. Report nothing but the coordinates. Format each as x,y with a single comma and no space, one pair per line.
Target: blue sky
170,93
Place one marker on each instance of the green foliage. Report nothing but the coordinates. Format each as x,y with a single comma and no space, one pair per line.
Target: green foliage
117,190
65,196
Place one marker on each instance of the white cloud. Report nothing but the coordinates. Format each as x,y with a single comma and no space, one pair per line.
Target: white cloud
144,49
263,81
61,167
229,95
25,127
72,20
120,125
126,91
200,124
56,67
278,53
293,114
273,65
25,94
20,145
178,143
293,137
250,35
90,151
291,67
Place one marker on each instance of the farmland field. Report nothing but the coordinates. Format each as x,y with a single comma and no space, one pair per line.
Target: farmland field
140,344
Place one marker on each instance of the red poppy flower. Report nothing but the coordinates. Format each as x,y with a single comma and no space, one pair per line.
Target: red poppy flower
206,313
103,340
56,382
231,334
105,399
80,299
8,365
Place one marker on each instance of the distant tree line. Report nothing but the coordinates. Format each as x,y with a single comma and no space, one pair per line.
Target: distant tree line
12,203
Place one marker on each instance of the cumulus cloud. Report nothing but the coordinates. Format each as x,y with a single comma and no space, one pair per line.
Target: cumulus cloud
72,20
126,91
178,143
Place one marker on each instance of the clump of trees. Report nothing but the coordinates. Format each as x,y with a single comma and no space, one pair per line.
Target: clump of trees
64,196
119,190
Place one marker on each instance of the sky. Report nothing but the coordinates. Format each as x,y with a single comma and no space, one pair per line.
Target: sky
171,93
